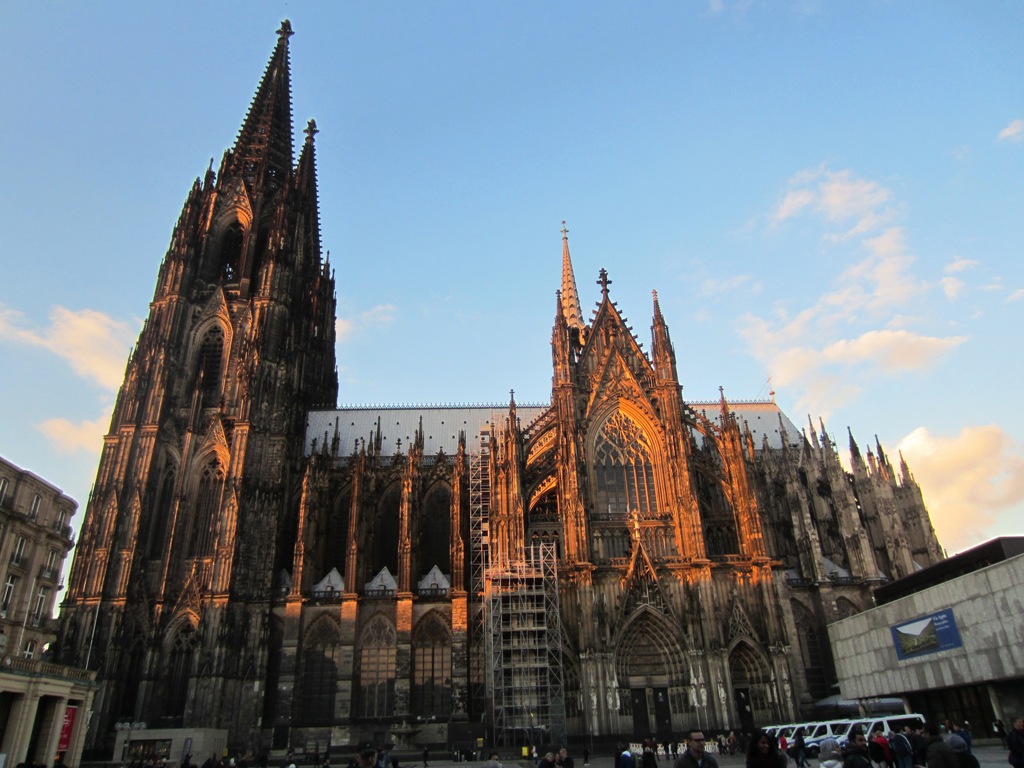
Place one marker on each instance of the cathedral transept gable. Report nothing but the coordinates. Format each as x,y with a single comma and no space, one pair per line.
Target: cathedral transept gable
616,382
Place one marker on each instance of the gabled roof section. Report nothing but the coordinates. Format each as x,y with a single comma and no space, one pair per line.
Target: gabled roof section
263,150
609,326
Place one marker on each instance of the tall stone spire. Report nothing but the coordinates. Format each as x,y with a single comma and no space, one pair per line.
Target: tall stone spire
570,297
263,150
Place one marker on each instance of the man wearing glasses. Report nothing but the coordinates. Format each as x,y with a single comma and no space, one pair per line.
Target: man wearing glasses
694,755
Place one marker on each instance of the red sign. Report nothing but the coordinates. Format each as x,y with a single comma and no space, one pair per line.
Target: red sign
66,728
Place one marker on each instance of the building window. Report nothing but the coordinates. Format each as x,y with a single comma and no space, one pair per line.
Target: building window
51,564
205,509
623,469
41,603
208,366
30,650
18,555
36,501
3,489
377,670
9,589
431,668
62,518
320,673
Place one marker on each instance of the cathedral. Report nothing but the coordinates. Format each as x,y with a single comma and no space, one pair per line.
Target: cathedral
615,564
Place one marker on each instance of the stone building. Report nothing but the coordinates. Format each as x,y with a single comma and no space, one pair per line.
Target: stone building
616,562
42,705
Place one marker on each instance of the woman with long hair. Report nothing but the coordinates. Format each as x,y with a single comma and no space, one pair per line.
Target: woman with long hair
763,752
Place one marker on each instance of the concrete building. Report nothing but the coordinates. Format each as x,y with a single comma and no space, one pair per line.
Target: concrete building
949,639
42,705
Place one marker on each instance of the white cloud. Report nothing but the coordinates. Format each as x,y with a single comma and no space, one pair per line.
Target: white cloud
856,205
890,351
713,286
1013,132
376,316
1017,295
973,482
951,286
959,265
94,344
69,437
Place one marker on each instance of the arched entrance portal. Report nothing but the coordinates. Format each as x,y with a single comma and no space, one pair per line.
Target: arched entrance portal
648,665
751,687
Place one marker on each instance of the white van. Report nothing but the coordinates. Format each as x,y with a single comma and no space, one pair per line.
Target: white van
886,723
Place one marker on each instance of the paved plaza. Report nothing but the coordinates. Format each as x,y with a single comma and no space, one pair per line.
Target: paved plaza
989,756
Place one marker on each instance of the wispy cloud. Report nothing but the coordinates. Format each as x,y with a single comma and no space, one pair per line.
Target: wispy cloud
94,344
1017,295
863,324
973,482
713,286
70,437
858,205
376,316
1013,132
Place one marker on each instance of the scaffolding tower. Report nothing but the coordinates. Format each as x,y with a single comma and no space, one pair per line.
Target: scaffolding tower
524,652
479,546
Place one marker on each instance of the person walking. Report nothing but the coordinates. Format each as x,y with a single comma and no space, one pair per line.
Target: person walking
694,755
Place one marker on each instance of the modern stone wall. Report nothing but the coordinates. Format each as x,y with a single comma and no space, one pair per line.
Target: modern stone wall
989,610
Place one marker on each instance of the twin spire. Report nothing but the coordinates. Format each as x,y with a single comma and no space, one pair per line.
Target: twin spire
263,150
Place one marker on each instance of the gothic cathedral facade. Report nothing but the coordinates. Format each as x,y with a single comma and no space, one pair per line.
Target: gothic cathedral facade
618,562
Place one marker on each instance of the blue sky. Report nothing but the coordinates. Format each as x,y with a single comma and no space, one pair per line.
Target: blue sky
825,193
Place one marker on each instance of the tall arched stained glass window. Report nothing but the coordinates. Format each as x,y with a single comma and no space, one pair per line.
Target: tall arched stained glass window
623,469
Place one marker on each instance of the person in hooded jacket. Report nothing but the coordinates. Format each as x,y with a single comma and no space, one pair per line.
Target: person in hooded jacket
829,754
962,753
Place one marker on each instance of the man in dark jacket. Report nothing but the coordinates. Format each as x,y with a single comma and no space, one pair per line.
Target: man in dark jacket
694,755
856,753
937,753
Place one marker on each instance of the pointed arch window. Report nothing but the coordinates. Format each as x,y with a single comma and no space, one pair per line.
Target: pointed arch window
377,670
431,668
181,662
161,515
321,655
206,508
623,469
435,531
385,531
209,365
231,251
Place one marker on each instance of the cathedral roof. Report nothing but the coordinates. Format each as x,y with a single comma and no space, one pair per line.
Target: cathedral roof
443,423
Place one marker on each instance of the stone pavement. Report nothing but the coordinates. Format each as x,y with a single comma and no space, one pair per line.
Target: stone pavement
989,756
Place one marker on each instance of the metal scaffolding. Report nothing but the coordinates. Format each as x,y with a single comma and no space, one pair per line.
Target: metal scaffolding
479,547
524,653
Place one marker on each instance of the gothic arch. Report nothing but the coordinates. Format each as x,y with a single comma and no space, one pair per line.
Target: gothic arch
378,646
646,648
845,608
750,678
180,663
206,489
812,650
164,496
435,529
431,666
384,533
624,457
321,652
